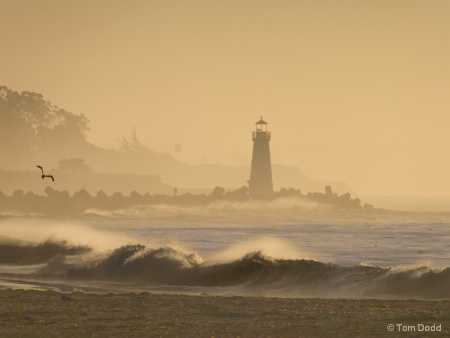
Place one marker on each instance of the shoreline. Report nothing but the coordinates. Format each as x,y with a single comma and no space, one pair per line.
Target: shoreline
50,313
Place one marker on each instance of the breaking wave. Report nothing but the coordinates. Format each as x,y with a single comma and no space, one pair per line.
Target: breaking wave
28,254
257,274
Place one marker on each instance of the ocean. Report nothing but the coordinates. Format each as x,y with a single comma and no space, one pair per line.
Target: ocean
279,248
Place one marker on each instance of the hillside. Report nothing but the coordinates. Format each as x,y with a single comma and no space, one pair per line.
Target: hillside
33,132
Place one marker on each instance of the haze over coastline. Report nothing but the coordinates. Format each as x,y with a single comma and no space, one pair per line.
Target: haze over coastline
225,168
353,92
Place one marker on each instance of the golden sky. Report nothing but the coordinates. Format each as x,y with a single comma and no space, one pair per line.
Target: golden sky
353,91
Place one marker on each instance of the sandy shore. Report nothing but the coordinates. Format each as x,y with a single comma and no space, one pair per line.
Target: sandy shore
48,313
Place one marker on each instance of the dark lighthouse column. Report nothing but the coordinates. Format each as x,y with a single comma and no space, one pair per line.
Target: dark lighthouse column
260,182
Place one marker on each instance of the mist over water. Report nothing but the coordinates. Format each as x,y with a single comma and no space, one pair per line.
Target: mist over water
30,230
362,69
242,249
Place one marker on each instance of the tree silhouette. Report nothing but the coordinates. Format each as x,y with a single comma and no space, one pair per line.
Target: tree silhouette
29,124
38,114
178,149
132,144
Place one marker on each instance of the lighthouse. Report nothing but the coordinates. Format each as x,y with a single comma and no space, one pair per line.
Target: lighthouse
260,182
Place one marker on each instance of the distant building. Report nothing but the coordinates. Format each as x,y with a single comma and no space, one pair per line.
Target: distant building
260,182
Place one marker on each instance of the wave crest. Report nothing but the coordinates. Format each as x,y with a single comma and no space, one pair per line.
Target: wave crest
28,254
256,273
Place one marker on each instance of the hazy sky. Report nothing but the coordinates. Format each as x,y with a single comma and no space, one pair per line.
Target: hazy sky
355,91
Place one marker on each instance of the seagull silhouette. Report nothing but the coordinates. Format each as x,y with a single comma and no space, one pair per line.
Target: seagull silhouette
44,176
49,176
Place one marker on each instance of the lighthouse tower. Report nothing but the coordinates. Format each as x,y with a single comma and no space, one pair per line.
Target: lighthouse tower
260,182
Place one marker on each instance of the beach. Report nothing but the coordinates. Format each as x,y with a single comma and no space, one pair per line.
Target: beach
36,313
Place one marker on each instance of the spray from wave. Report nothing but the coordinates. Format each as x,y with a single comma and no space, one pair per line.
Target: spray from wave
216,208
243,268
31,231
37,253
257,274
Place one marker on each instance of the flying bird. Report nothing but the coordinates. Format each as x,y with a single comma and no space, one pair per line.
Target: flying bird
43,175
49,176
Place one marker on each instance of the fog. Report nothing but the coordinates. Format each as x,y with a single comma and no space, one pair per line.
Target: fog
354,92
28,231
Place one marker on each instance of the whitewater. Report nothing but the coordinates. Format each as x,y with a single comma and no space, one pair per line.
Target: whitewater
276,248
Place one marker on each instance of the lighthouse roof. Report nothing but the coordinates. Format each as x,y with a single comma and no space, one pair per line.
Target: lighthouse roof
261,121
